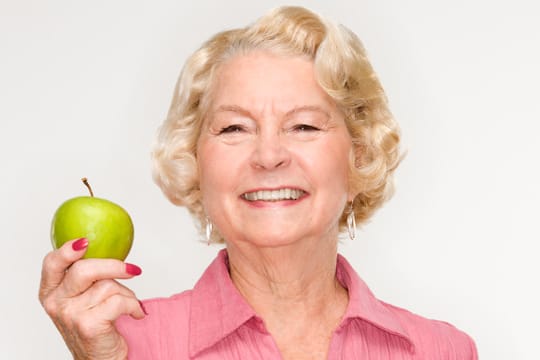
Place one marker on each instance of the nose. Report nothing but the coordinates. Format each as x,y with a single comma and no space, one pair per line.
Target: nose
270,152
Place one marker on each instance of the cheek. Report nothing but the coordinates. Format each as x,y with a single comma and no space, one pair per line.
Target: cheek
218,169
209,167
331,162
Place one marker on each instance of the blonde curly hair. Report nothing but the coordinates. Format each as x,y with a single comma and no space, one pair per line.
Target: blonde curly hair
342,70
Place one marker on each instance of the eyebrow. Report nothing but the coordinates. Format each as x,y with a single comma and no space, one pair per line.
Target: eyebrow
295,110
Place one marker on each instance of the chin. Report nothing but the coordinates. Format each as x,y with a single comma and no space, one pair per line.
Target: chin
272,242
267,240
281,240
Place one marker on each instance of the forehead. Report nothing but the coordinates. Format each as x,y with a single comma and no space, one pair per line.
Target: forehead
262,80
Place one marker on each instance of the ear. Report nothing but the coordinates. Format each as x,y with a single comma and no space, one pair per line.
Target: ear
355,186
351,196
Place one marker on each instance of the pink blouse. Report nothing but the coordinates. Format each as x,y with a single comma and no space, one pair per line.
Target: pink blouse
213,321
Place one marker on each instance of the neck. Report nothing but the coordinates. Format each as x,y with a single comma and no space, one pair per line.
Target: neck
294,281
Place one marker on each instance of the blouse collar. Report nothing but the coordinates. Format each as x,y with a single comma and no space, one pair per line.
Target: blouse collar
218,309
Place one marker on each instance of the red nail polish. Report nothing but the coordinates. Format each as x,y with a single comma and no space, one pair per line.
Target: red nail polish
142,307
133,269
80,244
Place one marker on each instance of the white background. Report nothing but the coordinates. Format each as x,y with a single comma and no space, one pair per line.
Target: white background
85,84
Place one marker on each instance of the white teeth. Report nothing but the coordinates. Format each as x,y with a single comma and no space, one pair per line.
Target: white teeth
273,195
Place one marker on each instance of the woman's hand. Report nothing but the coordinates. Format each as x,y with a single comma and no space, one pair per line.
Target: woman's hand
83,300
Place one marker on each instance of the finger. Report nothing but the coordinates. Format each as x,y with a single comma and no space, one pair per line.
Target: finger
118,305
98,322
57,262
100,319
84,273
101,291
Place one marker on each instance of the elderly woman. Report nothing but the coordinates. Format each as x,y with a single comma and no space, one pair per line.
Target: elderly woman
278,139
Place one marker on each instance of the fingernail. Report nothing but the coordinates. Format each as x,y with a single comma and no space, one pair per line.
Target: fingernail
80,244
142,307
133,269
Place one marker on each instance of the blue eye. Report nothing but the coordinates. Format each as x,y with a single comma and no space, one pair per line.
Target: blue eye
231,129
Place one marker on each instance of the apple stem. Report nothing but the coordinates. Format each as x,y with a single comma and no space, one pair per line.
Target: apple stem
85,182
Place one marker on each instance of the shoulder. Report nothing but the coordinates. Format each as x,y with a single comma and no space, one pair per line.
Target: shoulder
435,339
148,337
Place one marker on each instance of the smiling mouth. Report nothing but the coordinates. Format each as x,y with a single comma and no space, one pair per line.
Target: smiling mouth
274,195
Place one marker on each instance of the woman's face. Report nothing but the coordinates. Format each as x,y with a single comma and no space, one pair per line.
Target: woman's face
273,153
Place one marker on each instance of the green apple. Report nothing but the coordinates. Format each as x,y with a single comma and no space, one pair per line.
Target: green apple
106,225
